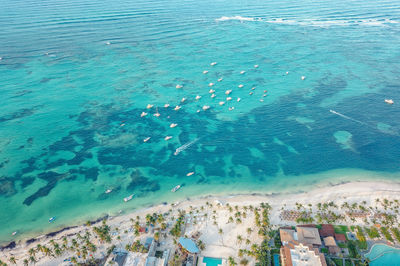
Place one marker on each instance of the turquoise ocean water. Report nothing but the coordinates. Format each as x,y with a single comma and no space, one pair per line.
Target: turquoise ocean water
75,77
383,255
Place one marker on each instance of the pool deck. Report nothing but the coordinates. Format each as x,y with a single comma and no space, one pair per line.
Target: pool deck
201,263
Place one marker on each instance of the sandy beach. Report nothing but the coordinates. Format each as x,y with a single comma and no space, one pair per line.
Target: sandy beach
209,215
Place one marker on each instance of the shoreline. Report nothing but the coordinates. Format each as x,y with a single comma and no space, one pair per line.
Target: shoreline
340,191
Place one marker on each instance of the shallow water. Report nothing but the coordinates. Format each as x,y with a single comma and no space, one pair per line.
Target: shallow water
382,255
76,75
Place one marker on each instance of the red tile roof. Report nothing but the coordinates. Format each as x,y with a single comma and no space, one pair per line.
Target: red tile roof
340,237
327,230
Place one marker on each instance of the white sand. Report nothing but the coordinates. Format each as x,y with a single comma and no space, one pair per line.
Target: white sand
226,245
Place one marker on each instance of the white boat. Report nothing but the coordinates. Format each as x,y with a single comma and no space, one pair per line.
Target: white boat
177,108
108,191
183,100
251,93
185,146
253,88
149,106
212,95
166,105
389,101
238,99
128,198
255,66
228,92
143,114
220,79
303,77
211,84
173,125
221,103
168,137
189,174
198,97
52,219
178,86
211,91
205,71
206,107
176,188
146,139
242,72
231,108
14,233
240,86
213,63
228,98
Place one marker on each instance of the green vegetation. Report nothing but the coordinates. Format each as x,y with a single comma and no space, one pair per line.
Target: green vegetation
341,229
396,233
136,247
372,232
338,262
103,232
352,249
177,229
360,234
324,250
387,234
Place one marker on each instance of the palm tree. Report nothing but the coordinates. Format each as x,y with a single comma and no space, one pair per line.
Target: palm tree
231,261
249,231
244,261
32,252
26,262
32,259
13,260
239,239
220,232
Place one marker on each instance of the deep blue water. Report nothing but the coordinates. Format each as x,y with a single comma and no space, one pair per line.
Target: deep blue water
76,75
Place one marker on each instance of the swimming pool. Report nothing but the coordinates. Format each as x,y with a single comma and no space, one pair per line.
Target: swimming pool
212,261
381,254
276,260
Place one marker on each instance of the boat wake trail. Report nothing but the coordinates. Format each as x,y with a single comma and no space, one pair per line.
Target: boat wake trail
185,146
348,117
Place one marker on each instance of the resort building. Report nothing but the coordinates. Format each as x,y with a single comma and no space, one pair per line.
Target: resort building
326,230
308,235
331,245
298,254
287,235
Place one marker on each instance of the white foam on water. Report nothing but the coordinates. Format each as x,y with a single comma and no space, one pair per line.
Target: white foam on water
240,18
319,22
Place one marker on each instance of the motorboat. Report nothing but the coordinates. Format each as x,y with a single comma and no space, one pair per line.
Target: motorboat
176,188
240,86
147,139
52,219
143,114
238,99
221,103
206,107
179,86
220,79
168,137
213,63
205,71
183,99
303,77
198,97
128,198
228,98
211,91
173,125
166,105
189,174
231,108
212,95
255,66
177,108
389,101
210,84
228,92
108,191
242,72
149,106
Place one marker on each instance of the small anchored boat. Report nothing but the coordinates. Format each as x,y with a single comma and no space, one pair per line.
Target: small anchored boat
179,86
389,101
143,114
52,219
189,174
205,71
147,139
168,137
108,191
128,198
173,125
176,188
213,63
14,233
149,106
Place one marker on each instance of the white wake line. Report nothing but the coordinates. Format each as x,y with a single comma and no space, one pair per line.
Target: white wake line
314,22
